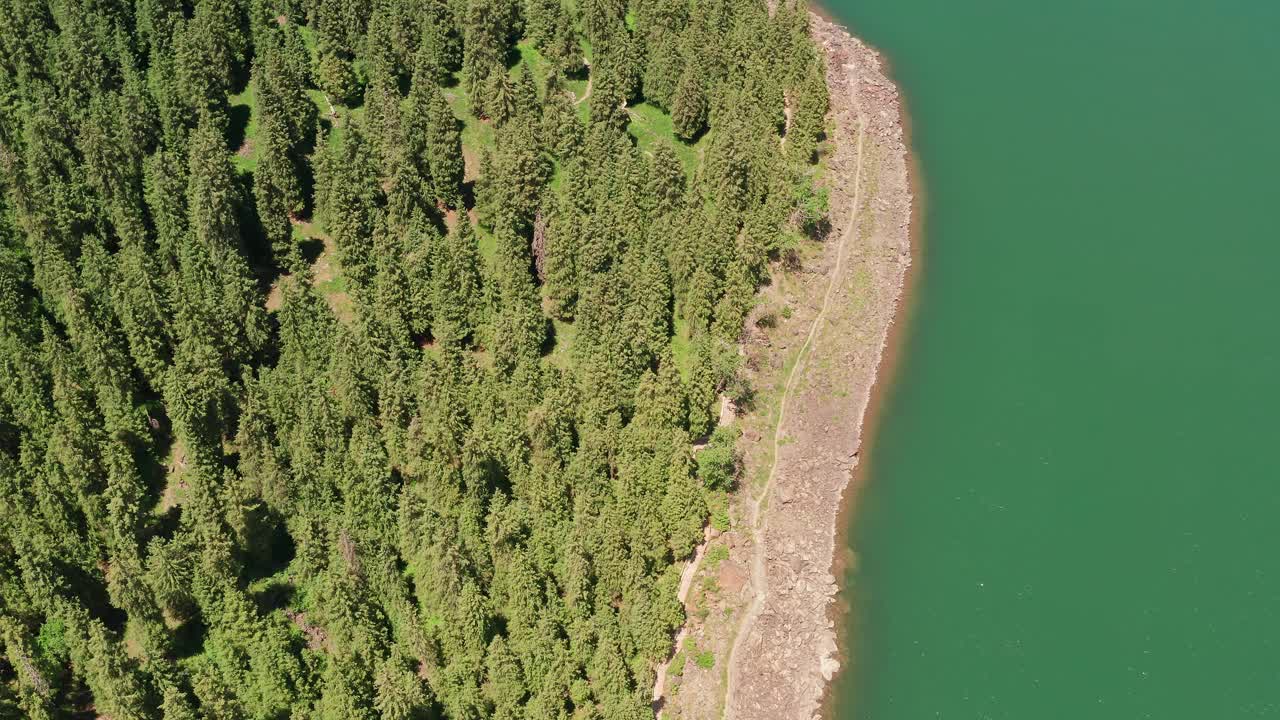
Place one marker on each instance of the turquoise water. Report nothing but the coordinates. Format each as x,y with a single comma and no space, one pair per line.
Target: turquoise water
1072,504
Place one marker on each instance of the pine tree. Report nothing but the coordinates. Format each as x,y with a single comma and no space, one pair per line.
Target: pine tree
444,149
667,180
455,284
689,106
280,74
500,98
561,129
520,328
400,694
211,190
809,122
485,36
353,201
276,191
337,78
512,187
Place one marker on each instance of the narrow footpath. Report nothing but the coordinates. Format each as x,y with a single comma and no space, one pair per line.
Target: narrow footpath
759,578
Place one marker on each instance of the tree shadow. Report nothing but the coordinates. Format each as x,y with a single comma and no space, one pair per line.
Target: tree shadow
241,73
548,338
468,196
310,249
276,595
188,638
163,526
92,594
306,182
696,136
253,236
147,460
512,57
238,117
819,229
271,548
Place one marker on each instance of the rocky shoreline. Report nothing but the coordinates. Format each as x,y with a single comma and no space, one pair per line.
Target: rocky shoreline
785,652
760,636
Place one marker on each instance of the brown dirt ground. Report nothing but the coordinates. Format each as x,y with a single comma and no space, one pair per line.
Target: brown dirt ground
759,608
324,271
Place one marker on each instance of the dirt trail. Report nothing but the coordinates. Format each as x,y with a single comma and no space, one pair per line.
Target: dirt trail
686,582
587,92
760,578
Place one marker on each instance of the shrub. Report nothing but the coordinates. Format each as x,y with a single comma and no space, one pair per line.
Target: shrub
718,462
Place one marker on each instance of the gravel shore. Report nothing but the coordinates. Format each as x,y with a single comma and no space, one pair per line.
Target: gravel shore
785,651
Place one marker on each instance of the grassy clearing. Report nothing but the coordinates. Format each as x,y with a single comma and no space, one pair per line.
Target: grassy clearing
308,39
477,134
565,332
650,125
716,555
486,244
531,58
677,664
244,127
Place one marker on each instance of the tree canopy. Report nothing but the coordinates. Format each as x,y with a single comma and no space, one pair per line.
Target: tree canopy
352,354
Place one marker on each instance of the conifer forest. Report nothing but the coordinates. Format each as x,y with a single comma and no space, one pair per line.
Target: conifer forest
353,353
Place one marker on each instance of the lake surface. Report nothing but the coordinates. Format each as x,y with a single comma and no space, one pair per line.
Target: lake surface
1071,507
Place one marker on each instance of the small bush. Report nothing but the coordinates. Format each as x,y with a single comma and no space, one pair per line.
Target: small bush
718,462
677,664
716,555
718,507
705,660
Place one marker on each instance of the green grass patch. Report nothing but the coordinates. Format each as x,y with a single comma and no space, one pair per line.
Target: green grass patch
477,135
332,287
577,87
486,243
710,585
716,555
677,664
244,119
718,508
308,39
565,333
531,58
650,125
705,660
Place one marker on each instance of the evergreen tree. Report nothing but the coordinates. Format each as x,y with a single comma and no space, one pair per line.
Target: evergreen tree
354,200
689,106
455,284
444,147
400,694
276,191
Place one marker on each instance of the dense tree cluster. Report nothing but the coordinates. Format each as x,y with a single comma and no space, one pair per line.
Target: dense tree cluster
460,492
